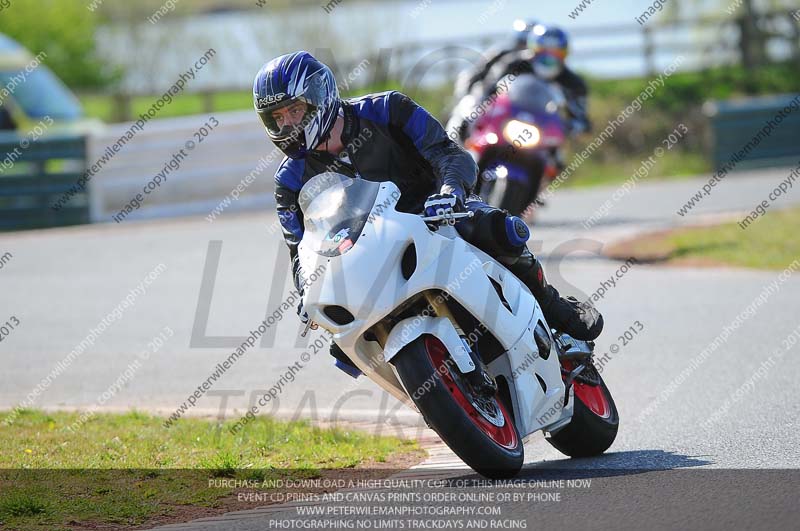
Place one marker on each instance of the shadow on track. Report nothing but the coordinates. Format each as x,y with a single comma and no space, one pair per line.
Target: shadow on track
604,466
611,464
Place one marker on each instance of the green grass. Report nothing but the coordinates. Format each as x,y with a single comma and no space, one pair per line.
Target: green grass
100,106
680,97
105,107
688,89
674,164
127,469
770,242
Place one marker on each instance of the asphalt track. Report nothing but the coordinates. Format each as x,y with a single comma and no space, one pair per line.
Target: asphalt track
678,457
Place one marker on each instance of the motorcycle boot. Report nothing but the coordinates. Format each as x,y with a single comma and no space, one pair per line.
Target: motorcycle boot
581,321
504,238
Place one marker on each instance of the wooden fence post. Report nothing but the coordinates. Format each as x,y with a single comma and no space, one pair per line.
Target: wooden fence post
648,50
122,107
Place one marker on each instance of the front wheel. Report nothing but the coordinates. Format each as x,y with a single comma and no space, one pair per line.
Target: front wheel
478,429
507,194
513,195
595,419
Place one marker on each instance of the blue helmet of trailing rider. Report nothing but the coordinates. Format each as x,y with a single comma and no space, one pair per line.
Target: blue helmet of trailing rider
550,46
298,102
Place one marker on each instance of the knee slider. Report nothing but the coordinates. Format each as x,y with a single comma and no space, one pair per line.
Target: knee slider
496,233
510,233
517,231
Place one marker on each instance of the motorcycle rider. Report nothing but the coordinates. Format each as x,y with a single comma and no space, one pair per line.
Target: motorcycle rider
545,56
469,78
297,100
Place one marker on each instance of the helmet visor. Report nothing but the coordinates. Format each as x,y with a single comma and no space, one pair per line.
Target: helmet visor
290,115
547,66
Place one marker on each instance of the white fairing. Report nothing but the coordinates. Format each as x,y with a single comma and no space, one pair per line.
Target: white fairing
367,280
410,329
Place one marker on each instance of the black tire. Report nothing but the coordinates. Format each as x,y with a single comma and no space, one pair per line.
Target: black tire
588,434
507,194
437,403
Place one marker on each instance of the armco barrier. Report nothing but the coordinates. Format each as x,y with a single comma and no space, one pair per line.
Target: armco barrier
737,123
34,175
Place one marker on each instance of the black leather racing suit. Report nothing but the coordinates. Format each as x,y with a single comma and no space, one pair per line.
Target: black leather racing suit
387,137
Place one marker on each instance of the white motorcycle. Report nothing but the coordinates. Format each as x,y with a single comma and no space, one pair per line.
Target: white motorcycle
446,329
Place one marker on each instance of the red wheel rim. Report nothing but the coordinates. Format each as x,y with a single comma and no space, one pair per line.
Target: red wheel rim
592,396
505,435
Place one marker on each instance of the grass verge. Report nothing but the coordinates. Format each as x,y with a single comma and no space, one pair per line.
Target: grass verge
673,165
770,242
103,106
127,470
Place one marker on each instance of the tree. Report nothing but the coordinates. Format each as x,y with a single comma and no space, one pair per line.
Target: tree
748,16
65,31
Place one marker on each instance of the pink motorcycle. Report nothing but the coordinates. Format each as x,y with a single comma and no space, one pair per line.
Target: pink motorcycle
515,136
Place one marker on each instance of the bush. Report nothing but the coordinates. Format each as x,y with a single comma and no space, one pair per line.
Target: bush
680,100
65,31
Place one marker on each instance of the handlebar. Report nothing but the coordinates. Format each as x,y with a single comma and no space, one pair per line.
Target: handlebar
448,218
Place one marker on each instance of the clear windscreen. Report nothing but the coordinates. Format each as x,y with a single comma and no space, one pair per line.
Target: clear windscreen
335,209
532,94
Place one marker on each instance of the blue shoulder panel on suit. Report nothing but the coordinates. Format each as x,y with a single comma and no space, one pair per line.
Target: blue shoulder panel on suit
374,107
290,174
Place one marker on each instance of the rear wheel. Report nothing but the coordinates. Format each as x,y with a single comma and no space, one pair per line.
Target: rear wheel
478,429
595,419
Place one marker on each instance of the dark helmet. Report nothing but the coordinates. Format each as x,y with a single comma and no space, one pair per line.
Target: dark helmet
286,80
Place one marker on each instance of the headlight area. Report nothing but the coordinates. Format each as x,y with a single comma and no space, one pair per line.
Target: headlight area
521,134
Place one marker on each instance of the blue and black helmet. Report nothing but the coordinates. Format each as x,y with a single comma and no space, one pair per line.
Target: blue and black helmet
292,78
550,47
